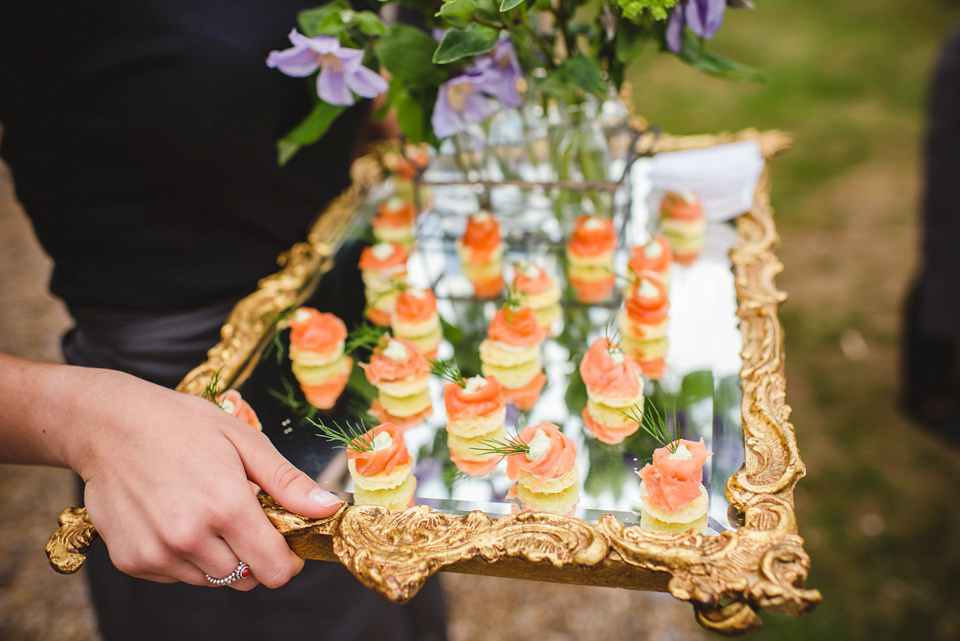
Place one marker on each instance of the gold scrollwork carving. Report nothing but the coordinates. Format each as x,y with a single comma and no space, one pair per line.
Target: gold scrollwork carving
67,547
395,552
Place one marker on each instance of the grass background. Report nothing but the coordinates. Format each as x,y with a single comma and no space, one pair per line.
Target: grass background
878,509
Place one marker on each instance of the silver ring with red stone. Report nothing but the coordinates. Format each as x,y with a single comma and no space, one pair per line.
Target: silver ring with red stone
242,571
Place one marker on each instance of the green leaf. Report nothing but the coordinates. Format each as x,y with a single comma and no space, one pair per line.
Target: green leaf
409,115
323,21
629,41
308,131
489,10
462,43
407,53
286,151
693,53
581,28
457,13
583,73
507,5
370,24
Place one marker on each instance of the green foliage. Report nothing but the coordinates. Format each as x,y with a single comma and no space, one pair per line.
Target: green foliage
462,43
308,131
457,13
407,53
323,21
693,53
634,9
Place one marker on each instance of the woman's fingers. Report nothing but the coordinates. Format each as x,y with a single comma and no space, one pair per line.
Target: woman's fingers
290,487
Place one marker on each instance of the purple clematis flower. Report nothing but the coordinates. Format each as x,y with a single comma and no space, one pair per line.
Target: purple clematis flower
702,16
502,73
461,102
465,100
341,68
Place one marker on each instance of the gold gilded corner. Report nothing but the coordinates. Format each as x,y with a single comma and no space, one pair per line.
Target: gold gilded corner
67,547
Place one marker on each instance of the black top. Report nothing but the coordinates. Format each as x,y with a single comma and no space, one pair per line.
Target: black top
142,139
940,278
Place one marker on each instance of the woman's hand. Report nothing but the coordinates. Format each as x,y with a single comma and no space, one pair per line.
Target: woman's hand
166,473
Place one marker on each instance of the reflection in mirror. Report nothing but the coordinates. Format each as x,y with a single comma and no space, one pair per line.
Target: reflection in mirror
697,391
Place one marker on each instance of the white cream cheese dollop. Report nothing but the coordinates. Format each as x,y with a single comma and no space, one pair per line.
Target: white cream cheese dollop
539,445
474,383
528,269
228,407
593,223
301,315
382,251
382,441
680,454
395,351
647,289
617,357
653,249
417,293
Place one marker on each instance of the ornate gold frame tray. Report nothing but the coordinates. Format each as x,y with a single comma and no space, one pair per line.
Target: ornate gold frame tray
751,557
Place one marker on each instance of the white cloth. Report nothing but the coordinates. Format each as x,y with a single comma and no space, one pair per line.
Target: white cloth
724,177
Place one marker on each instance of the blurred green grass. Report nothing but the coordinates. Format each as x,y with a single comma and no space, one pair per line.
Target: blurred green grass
878,508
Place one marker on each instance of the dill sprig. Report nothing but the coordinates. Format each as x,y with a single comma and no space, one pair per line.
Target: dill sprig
513,299
364,336
612,333
288,398
355,438
447,370
214,388
280,322
512,302
511,445
655,424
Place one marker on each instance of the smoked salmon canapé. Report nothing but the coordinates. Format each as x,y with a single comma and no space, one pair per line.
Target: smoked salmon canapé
481,242
590,259
612,377
644,316
316,338
415,318
614,383
539,290
550,463
652,260
394,222
382,267
400,372
672,495
683,224
536,286
592,242
380,465
232,403
511,351
475,408
481,255
378,459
